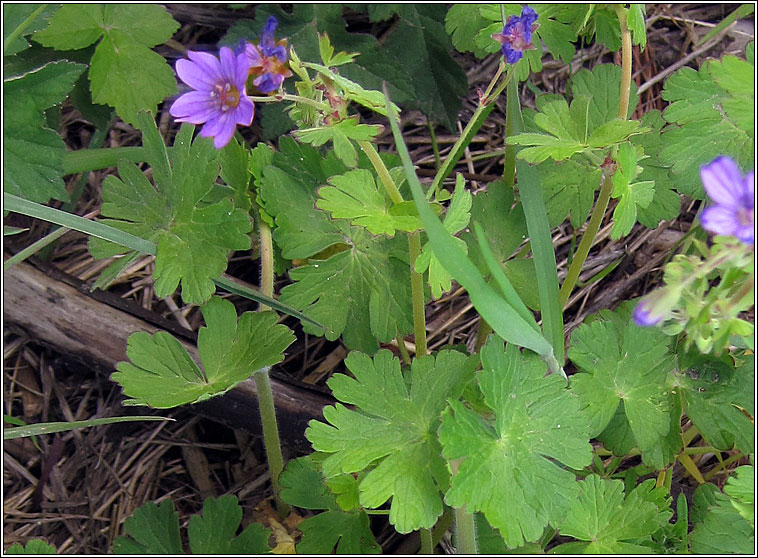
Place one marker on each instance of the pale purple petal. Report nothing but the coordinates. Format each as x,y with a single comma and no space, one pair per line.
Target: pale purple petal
207,63
221,129
746,234
194,75
195,107
720,220
254,56
748,189
242,70
722,181
228,64
643,315
244,112
269,82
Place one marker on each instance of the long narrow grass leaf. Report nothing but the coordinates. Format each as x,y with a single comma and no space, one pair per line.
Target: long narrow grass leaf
510,294
539,236
52,427
65,219
100,230
491,306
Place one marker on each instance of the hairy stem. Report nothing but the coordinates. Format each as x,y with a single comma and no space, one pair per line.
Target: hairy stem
417,295
465,528
267,261
486,104
271,435
427,544
414,249
607,186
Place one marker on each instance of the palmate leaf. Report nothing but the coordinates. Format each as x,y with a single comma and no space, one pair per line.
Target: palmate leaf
355,195
630,194
214,532
151,529
345,530
162,374
193,238
621,362
710,114
716,398
32,152
34,546
537,426
728,525
361,288
340,134
610,523
393,430
124,72
155,530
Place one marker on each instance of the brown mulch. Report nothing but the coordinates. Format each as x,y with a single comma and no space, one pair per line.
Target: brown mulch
76,488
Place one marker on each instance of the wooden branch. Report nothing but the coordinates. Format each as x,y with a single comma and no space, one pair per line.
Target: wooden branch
69,319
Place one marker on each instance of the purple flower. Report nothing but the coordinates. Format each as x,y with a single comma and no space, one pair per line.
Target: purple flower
517,35
219,100
268,59
734,198
645,314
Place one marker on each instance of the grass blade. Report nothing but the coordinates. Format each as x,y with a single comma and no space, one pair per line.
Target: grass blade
52,427
100,230
539,235
491,306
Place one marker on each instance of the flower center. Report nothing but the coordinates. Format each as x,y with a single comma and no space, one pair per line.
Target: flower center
227,96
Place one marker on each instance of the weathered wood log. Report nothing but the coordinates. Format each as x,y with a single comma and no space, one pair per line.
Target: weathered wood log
59,311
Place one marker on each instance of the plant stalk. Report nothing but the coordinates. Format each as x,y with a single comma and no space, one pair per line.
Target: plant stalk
267,262
34,248
414,249
607,186
427,544
270,435
465,527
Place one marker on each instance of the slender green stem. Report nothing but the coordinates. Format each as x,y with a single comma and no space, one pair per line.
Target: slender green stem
276,98
626,62
270,435
723,465
465,527
18,31
587,239
267,261
443,524
486,105
34,248
509,164
607,186
93,159
406,356
417,295
381,171
435,147
427,545
414,249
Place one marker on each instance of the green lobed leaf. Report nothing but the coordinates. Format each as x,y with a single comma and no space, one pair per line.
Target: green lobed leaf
537,426
714,395
630,194
355,195
569,188
710,114
609,522
360,287
214,532
393,429
162,374
601,86
630,364
34,546
340,134
235,161
124,72
32,152
151,529
348,531
193,239
724,529
741,489
463,22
